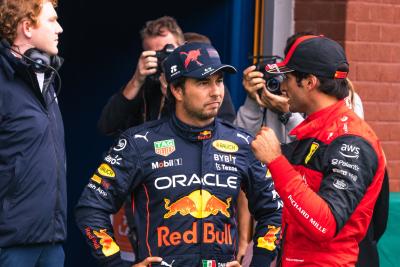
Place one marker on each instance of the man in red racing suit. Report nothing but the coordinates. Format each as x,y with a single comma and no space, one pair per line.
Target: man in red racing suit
331,175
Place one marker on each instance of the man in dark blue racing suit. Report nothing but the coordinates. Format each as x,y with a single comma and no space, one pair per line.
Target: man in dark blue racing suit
184,173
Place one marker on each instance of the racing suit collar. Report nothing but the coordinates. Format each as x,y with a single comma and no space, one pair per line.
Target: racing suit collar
318,119
190,132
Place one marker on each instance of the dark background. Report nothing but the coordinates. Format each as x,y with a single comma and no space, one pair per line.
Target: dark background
101,45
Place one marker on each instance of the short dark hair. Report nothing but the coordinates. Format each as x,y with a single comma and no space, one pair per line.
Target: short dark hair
180,82
192,37
338,88
158,26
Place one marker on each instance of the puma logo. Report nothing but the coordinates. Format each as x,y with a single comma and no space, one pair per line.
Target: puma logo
163,263
243,137
142,136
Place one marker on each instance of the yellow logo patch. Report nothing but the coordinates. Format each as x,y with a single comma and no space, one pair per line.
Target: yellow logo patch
225,146
106,170
313,148
109,247
96,178
268,241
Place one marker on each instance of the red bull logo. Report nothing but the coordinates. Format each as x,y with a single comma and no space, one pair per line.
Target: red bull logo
199,204
268,241
210,235
109,247
204,135
192,56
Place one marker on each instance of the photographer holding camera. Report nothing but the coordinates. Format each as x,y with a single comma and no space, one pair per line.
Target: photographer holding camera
265,104
143,98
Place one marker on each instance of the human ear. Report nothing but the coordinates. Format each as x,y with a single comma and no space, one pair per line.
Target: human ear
27,27
177,92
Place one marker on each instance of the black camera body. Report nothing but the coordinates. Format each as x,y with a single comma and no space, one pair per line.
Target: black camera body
273,81
161,55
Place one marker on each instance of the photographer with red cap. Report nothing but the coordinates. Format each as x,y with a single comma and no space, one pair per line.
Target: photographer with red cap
330,176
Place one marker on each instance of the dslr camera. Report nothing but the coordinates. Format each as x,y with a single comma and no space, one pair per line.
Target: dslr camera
273,81
161,55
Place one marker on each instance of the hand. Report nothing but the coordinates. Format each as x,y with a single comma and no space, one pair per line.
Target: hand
233,264
147,261
146,66
253,82
266,146
276,103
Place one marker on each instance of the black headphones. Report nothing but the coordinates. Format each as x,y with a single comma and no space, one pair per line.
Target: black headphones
39,61
36,59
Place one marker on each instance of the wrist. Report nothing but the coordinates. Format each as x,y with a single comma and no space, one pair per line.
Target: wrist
284,117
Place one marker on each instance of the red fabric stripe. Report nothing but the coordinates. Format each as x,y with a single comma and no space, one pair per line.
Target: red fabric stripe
340,74
293,48
148,220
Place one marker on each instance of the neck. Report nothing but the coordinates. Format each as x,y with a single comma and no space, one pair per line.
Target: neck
321,101
191,120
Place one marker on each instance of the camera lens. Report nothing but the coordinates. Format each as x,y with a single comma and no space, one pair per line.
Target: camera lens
273,85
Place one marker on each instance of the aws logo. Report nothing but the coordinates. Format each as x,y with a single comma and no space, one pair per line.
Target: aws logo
349,151
225,146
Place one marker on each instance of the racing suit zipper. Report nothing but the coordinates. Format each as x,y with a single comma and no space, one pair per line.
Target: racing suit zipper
202,143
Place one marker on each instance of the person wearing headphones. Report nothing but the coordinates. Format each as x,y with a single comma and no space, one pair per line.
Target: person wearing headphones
33,198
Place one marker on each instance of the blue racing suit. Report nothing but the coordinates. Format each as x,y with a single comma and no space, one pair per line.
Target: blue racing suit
184,182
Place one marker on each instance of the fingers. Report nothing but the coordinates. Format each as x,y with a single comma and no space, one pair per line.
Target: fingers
252,80
147,64
148,261
274,102
233,264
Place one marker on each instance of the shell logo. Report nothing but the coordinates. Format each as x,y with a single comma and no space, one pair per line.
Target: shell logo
225,146
106,170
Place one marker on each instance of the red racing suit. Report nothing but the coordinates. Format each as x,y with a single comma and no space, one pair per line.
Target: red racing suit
329,180
185,183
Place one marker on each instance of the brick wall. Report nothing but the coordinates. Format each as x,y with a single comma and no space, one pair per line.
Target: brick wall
369,30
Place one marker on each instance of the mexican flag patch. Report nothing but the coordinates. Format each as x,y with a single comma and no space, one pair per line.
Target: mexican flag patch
209,263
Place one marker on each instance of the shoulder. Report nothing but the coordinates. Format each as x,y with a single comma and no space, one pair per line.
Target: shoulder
234,133
153,126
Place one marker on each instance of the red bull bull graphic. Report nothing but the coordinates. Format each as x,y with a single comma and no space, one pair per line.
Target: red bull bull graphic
268,241
109,247
183,205
192,56
199,204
